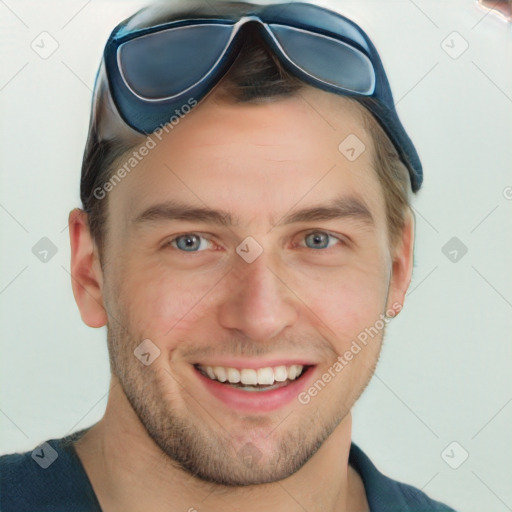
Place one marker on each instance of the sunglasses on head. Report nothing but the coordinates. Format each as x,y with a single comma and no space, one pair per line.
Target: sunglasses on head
154,70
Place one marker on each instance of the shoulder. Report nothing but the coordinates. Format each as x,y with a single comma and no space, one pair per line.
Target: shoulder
388,495
50,477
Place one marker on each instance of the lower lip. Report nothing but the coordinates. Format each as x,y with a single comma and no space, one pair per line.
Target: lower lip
256,401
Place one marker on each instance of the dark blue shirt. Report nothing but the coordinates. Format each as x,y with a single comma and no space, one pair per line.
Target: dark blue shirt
51,478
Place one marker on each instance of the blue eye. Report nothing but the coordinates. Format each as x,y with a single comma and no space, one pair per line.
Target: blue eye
193,242
320,240
189,242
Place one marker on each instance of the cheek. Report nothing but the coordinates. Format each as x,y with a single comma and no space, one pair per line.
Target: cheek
163,304
167,305
347,303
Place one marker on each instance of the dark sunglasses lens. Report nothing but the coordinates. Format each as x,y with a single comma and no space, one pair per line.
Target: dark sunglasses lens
327,59
166,63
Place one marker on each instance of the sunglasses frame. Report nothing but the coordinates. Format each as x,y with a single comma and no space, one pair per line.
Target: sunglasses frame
147,114
228,55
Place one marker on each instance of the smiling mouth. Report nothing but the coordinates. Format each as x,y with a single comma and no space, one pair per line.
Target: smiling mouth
252,379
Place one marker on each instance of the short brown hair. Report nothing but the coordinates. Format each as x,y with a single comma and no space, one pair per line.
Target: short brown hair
256,75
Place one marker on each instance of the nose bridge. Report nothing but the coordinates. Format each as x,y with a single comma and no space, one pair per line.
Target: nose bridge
259,304
252,25
258,281
251,19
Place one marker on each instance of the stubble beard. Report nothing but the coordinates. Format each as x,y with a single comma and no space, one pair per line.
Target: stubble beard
202,447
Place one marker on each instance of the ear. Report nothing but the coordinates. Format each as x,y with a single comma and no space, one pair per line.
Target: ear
86,273
402,264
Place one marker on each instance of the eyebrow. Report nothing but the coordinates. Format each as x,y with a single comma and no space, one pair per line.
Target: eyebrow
339,208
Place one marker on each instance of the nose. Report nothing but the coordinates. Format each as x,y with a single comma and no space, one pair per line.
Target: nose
260,303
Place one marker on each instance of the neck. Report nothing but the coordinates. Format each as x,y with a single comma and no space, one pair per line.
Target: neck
127,469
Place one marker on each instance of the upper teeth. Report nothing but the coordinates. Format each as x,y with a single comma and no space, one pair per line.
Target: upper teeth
250,376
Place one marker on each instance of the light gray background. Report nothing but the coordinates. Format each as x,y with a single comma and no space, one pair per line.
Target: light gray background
445,370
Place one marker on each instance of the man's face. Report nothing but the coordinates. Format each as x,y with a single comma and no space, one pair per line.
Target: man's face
317,284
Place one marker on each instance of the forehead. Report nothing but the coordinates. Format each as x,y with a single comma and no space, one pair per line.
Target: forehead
257,160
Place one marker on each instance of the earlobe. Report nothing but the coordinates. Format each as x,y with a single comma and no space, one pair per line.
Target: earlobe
402,267
86,274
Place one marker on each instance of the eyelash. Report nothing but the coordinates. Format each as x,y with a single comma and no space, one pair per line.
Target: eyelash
342,241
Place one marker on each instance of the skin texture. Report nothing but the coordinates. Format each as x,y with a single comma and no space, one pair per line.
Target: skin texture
165,440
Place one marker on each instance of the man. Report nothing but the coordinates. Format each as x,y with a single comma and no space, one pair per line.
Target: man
245,222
